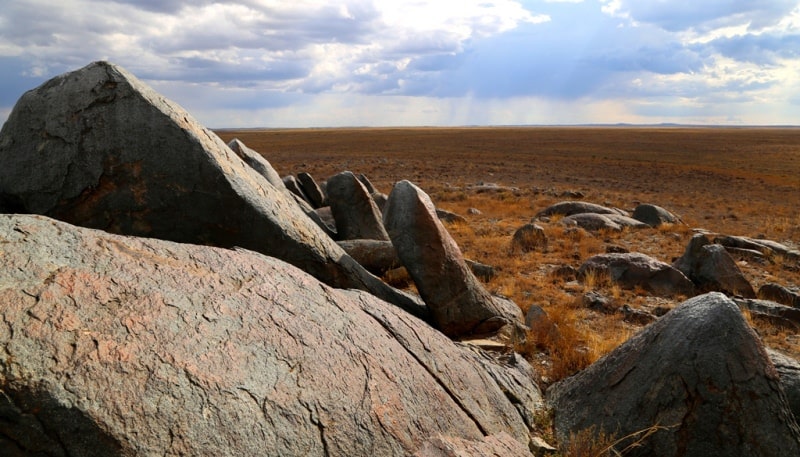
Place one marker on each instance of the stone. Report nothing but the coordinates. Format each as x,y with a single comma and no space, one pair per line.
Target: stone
116,345
474,211
450,217
97,147
779,294
500,444
636,316
711,268
257,162
592,222
779,315
291,183
481,270
625,221
568,208
356,214
789,373
699,374
654,215
598,302
768,247
311,189
376,256
380,199
529,237
367,184
458,303
633,269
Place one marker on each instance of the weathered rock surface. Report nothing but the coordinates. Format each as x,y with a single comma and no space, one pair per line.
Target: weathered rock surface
775,313
356,213
257,162
625,221
634,269
780,294
500,445
291,183
129,346
458,303
768,247
654,215
789,372
592,222
529,237
700,373
568,208
376,256
311,189
711,268
98,148
450,217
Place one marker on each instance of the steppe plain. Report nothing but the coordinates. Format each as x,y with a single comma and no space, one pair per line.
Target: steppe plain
727,180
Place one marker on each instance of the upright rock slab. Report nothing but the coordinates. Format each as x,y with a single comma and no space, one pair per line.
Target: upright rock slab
117,345
458,303
711,268
311,189
701,373
257,162
99,148
356,213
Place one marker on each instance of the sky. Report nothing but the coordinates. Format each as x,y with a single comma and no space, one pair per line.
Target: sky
317,63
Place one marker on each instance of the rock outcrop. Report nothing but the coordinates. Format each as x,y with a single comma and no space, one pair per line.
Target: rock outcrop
780,294
117,345
529,237
654,215
711,268
98,148
458,303
634,269
257,162
312,190
699,373
568,208
356,213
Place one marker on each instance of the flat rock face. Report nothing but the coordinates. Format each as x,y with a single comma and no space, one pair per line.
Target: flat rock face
128,346
356,213
98,148
634,269
458,303
699,372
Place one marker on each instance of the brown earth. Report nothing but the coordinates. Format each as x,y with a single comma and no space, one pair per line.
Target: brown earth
736,181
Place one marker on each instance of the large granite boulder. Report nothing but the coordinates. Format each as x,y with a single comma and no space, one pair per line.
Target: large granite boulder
711,268
117,345
633,269
700,374
97,147
458,303
356,213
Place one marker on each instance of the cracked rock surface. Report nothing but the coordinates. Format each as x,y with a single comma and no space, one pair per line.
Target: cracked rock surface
115,345
96,147
700,373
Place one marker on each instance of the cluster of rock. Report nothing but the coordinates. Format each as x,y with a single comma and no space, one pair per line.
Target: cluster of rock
165,293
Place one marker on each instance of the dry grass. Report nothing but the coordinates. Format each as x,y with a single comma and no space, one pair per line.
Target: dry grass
737,181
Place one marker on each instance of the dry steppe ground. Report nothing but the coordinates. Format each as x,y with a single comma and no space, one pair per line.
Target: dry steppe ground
733,181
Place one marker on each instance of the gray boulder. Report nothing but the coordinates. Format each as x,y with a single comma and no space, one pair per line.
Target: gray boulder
711,268
625,221
377,256
312,190
356,214
257,162
99,148
291,183
117,345
458,303
501,444
568,208
592,222
654,215
768,247
450,217
789,372
633,269
367,184
699,373
779,315
529,237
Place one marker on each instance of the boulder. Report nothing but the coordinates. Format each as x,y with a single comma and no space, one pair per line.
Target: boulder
625,221
98,148
257,162
356,214
458,303
501,444
568,208
592,222
291,183
117,345
698,378
450,217
367,184
633,269
779,315
711,268
779,294
654,215
311,189
529,237
768,247
376,256
789,372
380,199
481,270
